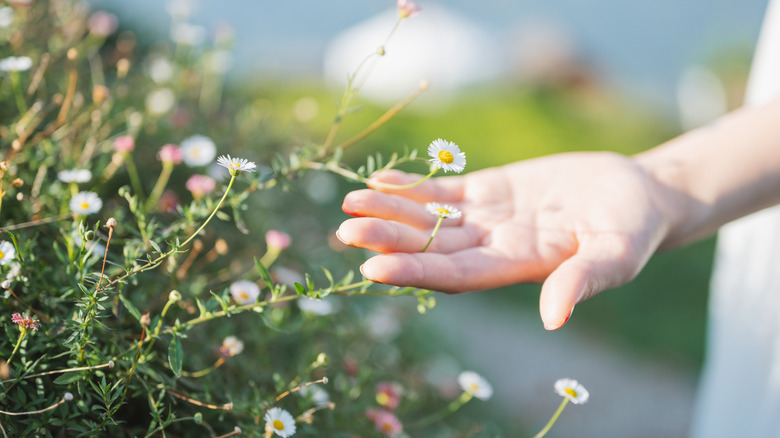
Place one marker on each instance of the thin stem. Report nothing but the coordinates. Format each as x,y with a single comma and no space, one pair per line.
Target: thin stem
433,234
554,418
18,343
205,371
230,184
62,400
110,364
226,407
452,407
35,223
385,117
299,387
382,185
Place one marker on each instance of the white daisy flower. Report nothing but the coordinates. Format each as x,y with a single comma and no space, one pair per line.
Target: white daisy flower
446,155
280,422
74,176
442,210
244,291
198,150
572,390
236,165
475,385
231,346
85,203
16,63
7,252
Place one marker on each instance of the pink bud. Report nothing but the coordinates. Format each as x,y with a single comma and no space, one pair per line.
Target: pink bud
200,185
406,8
103,23
277,239
124,143
170,153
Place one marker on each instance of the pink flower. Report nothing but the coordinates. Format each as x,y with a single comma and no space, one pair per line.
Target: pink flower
25,322
277,239
388,395
103,23
169,201
200,185
124,144
407,8
170,153
385,421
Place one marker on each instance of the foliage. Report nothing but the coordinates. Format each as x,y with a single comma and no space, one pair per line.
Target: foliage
143,331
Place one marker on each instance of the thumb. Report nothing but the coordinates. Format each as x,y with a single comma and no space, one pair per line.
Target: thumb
589,271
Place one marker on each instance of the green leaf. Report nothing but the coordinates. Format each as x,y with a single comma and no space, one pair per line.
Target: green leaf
221,301
201,308
155,246
272,326
68,378
175,355
299,289
130,307
263,272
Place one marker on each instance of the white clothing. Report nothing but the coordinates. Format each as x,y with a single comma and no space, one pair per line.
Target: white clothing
739,394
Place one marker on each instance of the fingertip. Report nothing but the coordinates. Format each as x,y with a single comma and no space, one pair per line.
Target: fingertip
369,272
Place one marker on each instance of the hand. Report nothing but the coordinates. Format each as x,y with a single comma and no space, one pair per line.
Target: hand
579,222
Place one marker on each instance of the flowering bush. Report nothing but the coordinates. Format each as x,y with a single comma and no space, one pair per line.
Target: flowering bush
145,289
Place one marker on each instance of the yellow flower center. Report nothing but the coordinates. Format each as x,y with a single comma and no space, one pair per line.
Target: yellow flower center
243,295
382,398
2,254
278,425
387,426
474,387
441,210
571,392
235,165
84,205
446,157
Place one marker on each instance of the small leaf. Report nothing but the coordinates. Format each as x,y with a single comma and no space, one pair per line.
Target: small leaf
175,355
299,289
130,307
68,378
263,272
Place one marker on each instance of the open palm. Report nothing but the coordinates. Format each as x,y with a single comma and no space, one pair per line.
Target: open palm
580,222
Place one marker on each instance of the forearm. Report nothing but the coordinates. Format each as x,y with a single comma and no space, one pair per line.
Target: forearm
717,173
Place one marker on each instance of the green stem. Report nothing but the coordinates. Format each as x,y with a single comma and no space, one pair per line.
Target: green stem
452,407
219,205
159,186
18,343
270,257
554,418
205,371
382,185
433,234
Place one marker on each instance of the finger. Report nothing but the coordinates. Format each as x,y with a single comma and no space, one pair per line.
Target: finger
468,270
600,263
387,236
443,189
370,203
